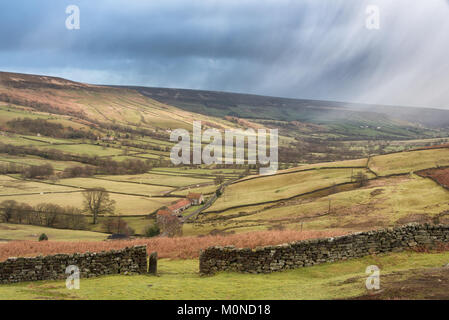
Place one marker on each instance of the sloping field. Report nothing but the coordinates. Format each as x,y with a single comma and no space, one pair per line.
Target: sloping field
114,186
386,202
203,190
404,162
11,186
157,179
125,205
87,149
36,161
281,186
106,104
21,141
336,164
22,232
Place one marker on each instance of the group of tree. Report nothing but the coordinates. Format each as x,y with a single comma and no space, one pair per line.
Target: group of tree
117,225
37,172
102,165
219,179
47,128
10,168
96,203
169,225
78,171
44,214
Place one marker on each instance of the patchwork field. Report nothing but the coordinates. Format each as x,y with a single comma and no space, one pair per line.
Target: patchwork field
381,203
310,197
336,175
281,186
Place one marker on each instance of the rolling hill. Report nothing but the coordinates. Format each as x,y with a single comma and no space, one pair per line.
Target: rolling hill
338,117
119,137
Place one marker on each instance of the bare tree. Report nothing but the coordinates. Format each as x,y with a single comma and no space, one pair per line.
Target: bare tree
219,180
73,218
8,209
97,201
170,225
118,226
361,179
48,213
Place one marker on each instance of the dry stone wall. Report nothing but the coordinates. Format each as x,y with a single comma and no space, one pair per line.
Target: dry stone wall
312,252
125,261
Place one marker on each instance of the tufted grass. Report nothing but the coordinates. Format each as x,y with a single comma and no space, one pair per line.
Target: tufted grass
179,280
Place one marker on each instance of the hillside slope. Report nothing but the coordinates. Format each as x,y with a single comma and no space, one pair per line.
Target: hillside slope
387,120
94,104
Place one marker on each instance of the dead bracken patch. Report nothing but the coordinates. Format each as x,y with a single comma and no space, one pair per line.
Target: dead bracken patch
441,176
173,248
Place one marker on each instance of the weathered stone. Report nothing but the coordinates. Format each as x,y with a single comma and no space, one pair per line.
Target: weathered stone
312,252
53,267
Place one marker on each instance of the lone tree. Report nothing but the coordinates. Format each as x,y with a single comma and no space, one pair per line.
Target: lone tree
219,180
96,202
361,179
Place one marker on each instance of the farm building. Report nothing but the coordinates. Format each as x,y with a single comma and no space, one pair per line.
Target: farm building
196,198
180,205
164,212
169,223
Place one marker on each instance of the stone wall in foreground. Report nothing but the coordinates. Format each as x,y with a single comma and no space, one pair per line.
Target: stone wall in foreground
312,252
125,261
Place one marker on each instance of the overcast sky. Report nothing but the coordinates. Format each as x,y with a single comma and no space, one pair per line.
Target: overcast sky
319,49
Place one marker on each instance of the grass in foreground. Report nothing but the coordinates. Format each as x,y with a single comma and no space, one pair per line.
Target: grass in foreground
179,280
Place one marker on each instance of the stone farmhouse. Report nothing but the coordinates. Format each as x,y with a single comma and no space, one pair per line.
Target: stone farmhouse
195,198
179,206
170,219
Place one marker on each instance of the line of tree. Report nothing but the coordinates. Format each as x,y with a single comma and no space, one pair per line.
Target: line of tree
38,172
103,165
11,168
47,128
43,214
96,202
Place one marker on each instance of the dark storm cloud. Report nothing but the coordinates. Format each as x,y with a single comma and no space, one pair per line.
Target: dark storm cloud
303,48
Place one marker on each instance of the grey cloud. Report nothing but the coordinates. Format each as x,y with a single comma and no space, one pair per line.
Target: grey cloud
303,48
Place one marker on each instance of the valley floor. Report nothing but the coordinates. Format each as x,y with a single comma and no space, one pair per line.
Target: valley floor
407,275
